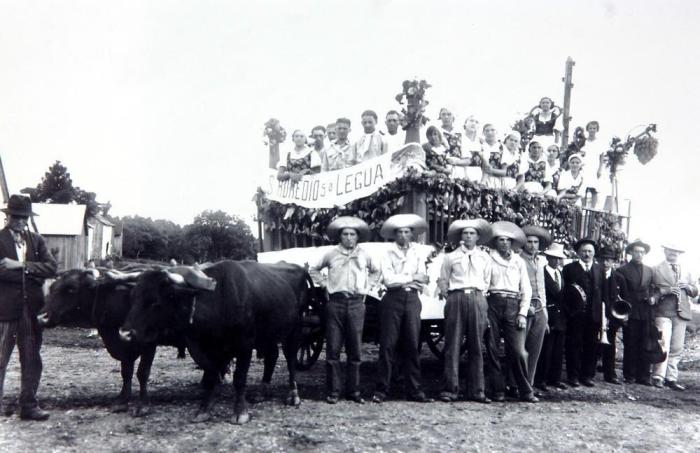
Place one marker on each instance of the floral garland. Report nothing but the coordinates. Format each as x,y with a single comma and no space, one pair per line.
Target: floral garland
414,92
460,198
274,133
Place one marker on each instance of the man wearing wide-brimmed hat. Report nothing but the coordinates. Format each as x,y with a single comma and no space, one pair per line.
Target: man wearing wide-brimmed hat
25,263
676,288
550,364
583,287
509,303
404,274
537,238
636,287
351,273
464,278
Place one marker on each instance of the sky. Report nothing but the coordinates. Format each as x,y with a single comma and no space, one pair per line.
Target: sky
159,106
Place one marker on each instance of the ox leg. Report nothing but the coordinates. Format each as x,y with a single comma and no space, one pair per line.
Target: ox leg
240,377
127,371
290,348
270,355
143,373
210,380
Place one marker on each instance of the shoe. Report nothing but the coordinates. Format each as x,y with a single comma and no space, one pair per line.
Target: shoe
613,380
657,382
542,386
332,399
447,397
420,398
573,383
559,385
33,413
511,392
587,382
498,397
673,385
378,397
480,399
530,399
356,397
647,382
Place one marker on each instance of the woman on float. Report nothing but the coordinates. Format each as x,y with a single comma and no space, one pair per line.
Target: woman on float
545,116
436,152
554,164
501,162
534,176
469,165
301,160
572,185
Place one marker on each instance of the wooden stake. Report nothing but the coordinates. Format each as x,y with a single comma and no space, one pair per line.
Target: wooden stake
568,85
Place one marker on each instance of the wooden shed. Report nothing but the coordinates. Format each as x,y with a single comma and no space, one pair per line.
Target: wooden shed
64,229
101,238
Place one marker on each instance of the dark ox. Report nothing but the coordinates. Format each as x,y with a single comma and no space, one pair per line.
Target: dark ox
253,306
79,298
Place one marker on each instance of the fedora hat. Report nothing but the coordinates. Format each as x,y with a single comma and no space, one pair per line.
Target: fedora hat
673,246
584,241
393,223
608,253
19,205
637,243
341,223
543,235
454,232
509,230
556,250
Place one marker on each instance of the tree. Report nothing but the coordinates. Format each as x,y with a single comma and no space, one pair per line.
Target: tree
215,235
143,239
57,187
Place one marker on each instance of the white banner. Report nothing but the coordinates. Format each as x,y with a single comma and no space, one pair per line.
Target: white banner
340,187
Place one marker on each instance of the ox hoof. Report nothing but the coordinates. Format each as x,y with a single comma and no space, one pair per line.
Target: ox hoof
242,419
120,406
293,400
201,417
141,411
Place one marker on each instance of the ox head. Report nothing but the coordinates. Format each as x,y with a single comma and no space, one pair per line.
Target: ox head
69,297
161,304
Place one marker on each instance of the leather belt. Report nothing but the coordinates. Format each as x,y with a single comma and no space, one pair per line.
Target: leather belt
504,294
343,295
405,289
464,291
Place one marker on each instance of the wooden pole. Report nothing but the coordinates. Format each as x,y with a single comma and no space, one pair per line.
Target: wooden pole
568,85
274,155
3,184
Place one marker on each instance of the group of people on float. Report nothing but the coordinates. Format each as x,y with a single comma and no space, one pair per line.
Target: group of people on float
476,153
517,312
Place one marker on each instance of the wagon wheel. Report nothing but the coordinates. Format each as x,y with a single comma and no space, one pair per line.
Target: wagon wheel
434,336
312,336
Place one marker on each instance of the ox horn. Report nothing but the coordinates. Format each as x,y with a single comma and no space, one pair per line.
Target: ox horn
176,278
122,276
94,272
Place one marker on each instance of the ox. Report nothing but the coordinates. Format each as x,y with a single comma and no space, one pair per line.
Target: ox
253,306
79,298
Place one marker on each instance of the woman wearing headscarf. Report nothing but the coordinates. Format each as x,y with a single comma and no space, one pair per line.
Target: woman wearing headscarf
571,182
501,162
435,152
534,176
469,164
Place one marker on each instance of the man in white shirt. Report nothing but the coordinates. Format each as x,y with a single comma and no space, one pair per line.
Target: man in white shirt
371,143
338,154
394,139
509,302
404,274
464,279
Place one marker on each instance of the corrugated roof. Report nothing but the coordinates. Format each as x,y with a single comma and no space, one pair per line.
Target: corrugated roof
59,219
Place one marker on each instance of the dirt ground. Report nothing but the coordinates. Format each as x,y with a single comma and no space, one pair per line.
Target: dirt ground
80,380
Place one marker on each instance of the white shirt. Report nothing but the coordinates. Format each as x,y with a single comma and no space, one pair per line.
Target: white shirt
511,275
21,249
554,273
396,141
399,266
567,181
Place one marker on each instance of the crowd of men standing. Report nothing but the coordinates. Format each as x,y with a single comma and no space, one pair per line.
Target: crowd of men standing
520,314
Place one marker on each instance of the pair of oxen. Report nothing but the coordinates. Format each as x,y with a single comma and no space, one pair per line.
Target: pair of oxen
252,306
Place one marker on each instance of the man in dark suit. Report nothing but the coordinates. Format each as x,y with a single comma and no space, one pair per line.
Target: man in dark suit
24,264
583,283
611,293
550,364
635,287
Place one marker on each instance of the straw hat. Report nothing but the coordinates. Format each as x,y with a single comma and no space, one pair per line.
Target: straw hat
542,234
556,250
454,232
673,246
412,221
341,223
509,230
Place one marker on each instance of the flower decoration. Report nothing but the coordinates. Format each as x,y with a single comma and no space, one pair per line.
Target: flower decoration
274,133
414,94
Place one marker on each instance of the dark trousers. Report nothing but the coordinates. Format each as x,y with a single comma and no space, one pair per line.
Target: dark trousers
344,321
536,327
609,352
26,333
465,314
633,338
502,315
551,362
581,347
399,331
